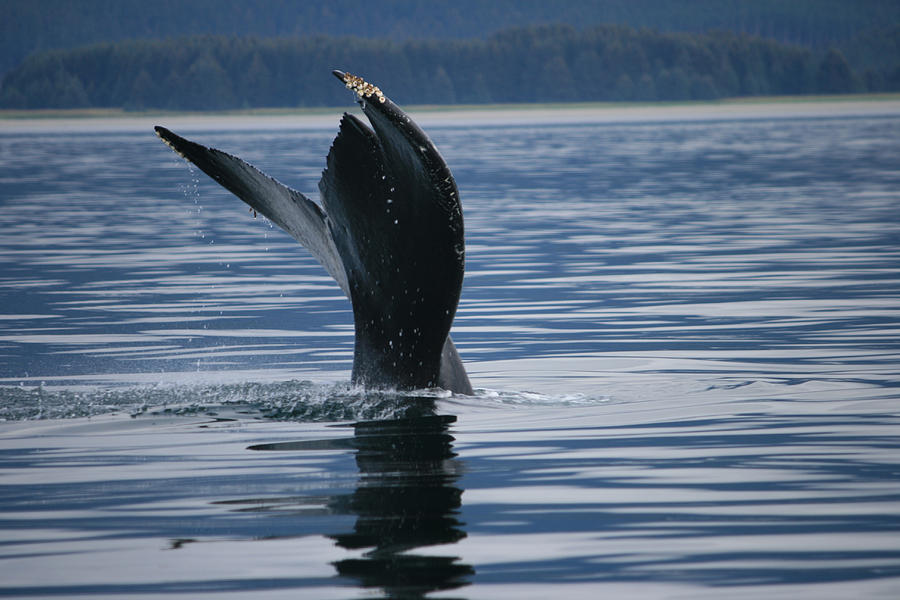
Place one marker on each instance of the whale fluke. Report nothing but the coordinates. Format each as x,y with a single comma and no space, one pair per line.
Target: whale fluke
296,214
390,232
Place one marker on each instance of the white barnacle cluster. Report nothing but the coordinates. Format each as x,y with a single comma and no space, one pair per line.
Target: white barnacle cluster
171,145
363,88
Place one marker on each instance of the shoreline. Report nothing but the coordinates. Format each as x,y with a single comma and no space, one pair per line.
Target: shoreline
47,120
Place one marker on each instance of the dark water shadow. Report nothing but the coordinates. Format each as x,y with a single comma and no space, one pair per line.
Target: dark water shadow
406,498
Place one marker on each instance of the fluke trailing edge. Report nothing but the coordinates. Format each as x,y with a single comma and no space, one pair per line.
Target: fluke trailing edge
390,232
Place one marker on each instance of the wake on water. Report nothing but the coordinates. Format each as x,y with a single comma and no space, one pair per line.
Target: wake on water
281,401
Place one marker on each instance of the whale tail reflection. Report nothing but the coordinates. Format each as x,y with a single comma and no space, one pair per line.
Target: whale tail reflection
406,498
389,230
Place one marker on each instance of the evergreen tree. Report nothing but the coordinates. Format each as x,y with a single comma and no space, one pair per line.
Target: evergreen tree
624,89
555,82
442,90
645,90
835,75
143,93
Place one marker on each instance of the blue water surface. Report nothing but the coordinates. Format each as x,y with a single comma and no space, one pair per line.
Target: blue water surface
684,334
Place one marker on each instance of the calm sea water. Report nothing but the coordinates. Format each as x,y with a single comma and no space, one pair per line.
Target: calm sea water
685,335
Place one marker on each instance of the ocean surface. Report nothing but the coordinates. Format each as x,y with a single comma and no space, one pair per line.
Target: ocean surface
683,326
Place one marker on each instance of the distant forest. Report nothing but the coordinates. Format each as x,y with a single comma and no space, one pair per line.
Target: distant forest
527,64
28,26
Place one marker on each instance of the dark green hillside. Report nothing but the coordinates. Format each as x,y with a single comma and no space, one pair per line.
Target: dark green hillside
549,63
36,25
875,55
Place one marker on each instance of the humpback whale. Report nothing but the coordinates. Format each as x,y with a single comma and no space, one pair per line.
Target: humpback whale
389,230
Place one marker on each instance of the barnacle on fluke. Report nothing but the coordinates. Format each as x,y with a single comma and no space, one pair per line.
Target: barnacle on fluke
362,87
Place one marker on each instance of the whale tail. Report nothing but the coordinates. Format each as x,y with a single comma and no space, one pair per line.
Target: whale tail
296,214
390,232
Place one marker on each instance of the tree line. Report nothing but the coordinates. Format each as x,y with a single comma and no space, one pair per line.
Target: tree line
555,63
27,26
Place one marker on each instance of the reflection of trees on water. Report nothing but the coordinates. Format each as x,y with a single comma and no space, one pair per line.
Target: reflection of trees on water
406,498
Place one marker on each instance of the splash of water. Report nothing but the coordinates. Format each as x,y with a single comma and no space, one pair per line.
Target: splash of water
282,401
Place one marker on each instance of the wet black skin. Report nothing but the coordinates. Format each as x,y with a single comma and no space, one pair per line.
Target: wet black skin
390,231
